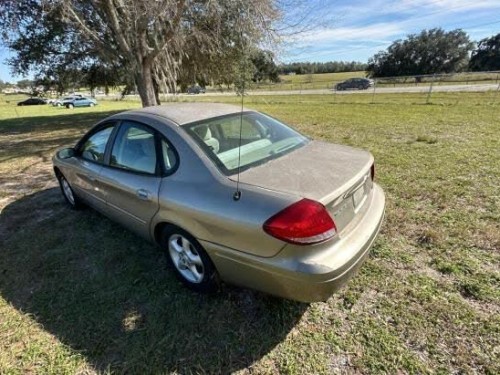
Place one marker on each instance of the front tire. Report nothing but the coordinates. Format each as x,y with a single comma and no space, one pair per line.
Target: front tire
91,105
68,194
188,259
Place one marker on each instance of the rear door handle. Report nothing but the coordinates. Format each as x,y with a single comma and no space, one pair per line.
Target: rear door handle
142,194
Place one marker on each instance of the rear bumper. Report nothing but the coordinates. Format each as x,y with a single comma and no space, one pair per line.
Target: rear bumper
307,274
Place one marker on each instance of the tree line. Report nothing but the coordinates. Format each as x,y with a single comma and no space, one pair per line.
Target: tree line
321,67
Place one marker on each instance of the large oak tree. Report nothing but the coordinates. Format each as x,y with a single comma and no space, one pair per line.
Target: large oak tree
430,52
487,55
151,40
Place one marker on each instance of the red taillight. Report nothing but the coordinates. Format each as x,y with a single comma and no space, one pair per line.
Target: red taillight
304,222
372,171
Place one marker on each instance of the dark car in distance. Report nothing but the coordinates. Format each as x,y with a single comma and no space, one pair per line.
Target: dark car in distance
32,101
195,90
354,84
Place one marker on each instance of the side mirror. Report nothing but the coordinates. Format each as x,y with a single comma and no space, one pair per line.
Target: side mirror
66,153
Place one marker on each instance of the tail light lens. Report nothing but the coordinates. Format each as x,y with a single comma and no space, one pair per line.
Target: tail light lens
372,171
304,222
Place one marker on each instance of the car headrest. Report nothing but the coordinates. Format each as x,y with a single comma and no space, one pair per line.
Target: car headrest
203,131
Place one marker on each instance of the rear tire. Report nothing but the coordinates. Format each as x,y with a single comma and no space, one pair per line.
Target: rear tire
190,262
91,105
70,106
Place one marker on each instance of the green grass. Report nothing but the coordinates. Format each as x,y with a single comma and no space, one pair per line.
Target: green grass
80,294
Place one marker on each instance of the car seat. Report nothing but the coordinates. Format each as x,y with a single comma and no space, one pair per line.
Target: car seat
203,131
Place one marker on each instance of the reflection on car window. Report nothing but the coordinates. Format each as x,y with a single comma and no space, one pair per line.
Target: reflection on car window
93,149
134,149
262,138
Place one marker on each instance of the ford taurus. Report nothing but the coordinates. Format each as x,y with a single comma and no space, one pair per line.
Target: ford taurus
231,195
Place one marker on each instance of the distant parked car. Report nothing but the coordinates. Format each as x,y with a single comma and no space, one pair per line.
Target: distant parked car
80,102
63,101
32,101
355,84
196,90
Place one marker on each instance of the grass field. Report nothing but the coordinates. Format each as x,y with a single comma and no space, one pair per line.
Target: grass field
79,294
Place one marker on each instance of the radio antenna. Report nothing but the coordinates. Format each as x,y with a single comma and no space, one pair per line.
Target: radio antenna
237,193
241,89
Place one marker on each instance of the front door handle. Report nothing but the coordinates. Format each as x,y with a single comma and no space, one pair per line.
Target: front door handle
142,194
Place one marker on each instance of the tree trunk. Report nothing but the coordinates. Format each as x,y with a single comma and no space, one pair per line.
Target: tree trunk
145,86
157,92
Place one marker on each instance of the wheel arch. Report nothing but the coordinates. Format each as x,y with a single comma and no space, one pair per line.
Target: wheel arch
160,227
57,172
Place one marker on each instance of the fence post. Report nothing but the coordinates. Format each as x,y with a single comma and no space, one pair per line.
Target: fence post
374,88
430,91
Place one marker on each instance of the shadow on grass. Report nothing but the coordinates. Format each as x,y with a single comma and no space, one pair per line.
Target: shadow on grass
50,122
110,296
34,136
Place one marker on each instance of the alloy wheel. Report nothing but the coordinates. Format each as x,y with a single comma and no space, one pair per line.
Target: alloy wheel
186,259
68,193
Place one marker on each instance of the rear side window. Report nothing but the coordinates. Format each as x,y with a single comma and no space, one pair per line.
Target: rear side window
94,147
170,159
134,149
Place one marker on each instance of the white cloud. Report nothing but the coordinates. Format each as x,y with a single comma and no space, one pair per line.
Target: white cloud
381,21
375,32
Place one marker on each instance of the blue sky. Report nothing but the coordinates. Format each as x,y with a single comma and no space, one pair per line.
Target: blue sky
357,29
360,28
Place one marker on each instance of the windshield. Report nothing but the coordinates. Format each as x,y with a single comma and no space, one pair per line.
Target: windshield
262,138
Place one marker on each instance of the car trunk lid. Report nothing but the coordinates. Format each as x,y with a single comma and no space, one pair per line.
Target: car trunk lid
337,176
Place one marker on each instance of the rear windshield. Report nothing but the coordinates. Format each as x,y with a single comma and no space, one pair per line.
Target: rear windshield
262,138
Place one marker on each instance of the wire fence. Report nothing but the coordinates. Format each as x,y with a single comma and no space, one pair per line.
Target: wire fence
329,81
428,89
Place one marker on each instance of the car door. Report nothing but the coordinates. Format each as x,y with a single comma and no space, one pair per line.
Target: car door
131,179
87,165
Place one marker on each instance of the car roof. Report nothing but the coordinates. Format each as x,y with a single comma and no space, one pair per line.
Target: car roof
185,113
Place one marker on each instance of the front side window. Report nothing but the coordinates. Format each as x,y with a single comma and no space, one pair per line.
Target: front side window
134,149
94,147
262,138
